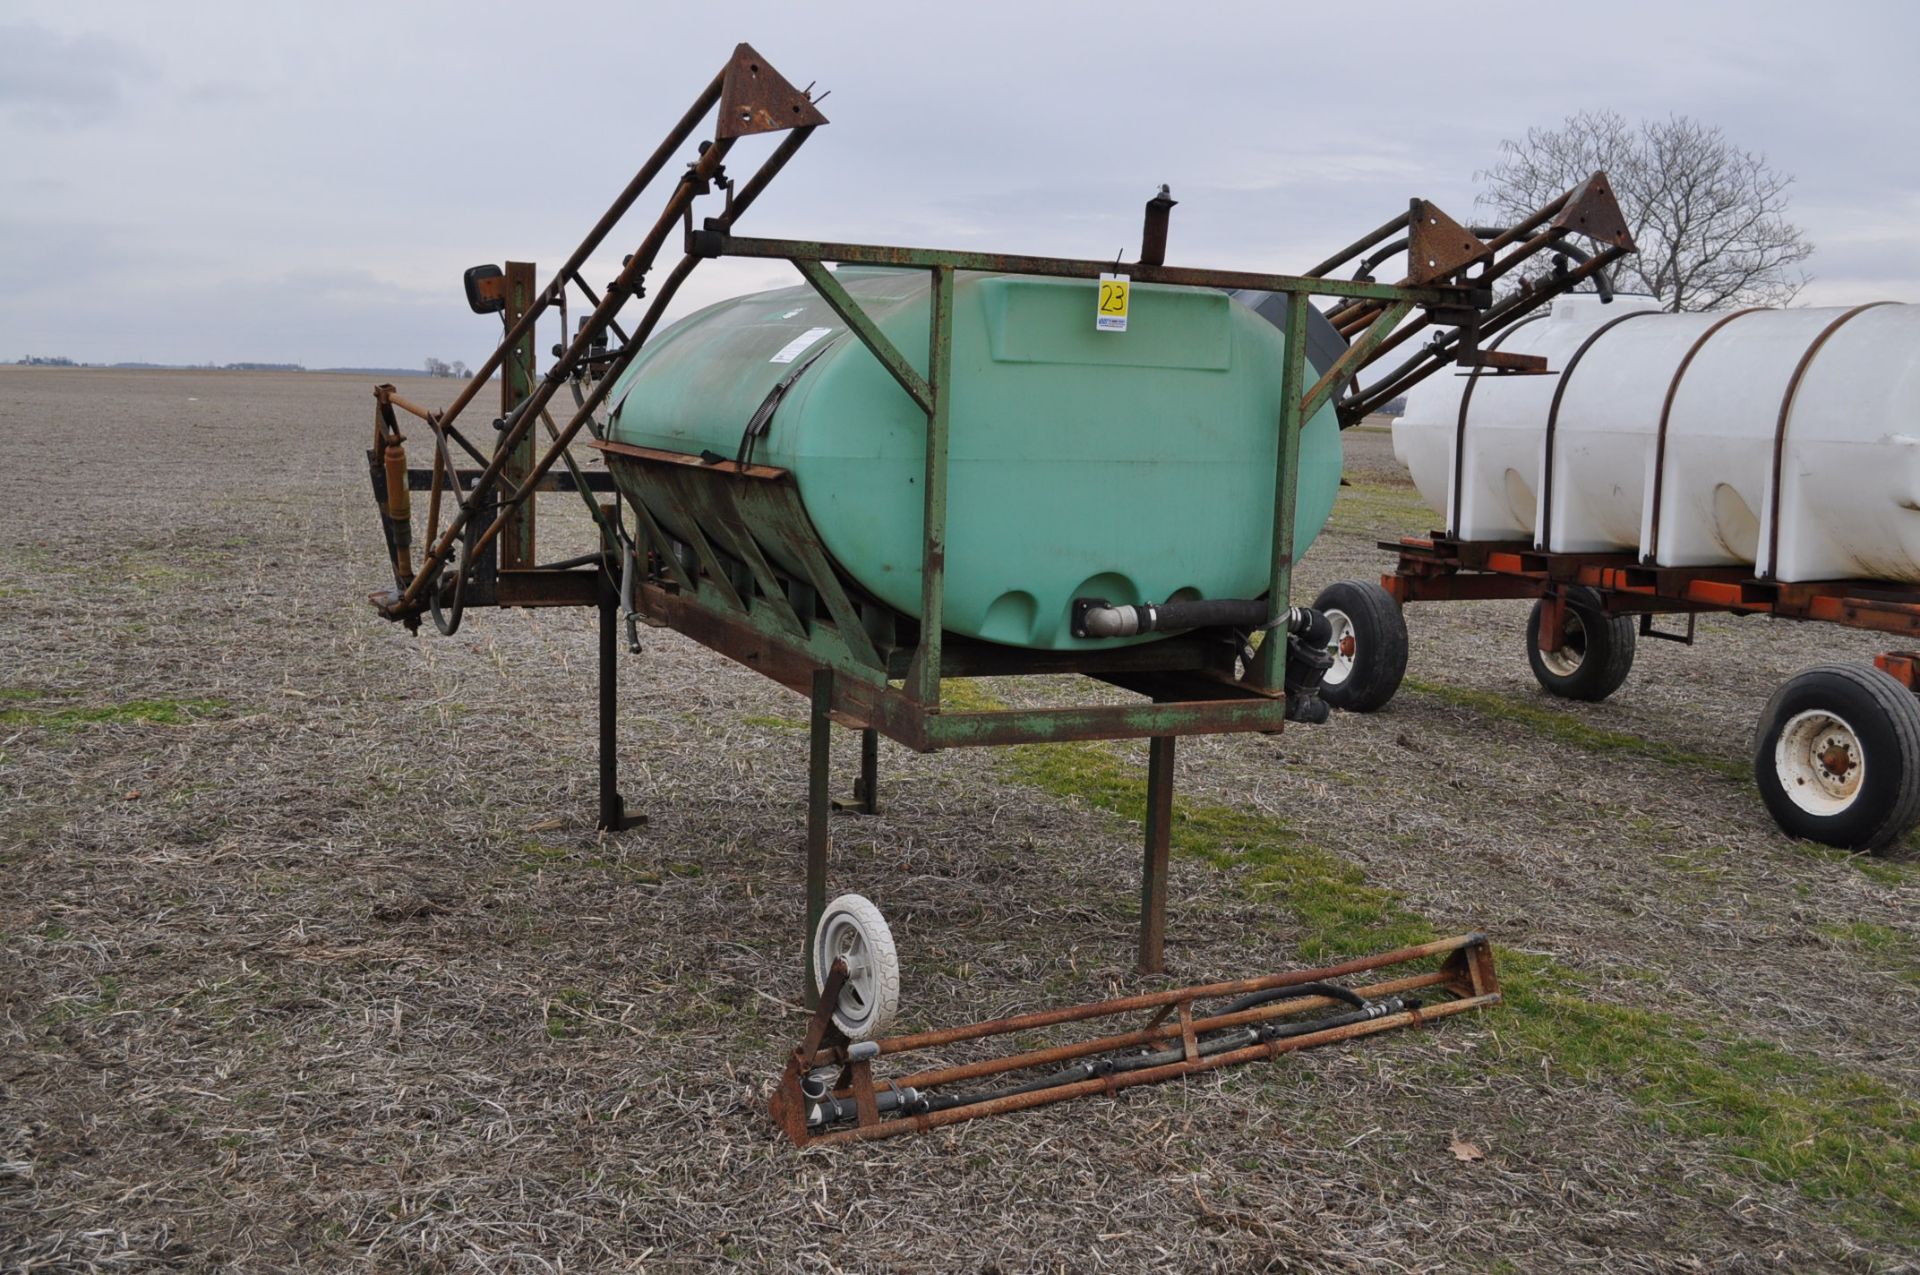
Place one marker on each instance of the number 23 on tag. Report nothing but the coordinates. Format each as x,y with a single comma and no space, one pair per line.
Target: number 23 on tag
1110,313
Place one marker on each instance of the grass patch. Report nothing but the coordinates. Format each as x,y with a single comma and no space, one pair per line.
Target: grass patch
1339,913
772,723
1376,509
154,712
1887,948
1567,729
1838,1135
18,694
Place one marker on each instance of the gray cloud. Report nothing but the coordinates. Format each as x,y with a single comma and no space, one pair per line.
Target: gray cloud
307,183
66,81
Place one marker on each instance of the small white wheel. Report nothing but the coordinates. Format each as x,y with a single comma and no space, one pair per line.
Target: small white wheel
852,930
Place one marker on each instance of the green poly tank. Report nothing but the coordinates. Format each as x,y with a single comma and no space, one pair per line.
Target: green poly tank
1134,466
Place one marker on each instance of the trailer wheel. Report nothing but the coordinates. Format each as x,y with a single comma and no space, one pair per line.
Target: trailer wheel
852,929
1595,651
1837,757
1369,646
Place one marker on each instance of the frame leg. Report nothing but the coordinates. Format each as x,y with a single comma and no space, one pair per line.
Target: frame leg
1153,874
819,811
613,809
866,791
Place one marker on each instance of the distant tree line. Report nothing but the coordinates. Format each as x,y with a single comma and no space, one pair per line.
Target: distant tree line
35,360
439,367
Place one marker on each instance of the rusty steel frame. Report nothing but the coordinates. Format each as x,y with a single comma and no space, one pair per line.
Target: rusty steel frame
810,633
1439,568
1445,568
1465,973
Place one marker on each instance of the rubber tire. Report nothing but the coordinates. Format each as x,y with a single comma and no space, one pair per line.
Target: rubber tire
1608,658
1379,645
884,958
1885,718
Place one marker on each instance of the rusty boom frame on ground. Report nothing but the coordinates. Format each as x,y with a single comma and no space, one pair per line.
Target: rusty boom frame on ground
815,632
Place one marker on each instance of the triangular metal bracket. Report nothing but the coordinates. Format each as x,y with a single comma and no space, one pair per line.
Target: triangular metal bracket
755,98
1592,211
1438,246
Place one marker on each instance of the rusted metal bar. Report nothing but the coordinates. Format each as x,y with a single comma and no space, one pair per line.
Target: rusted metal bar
516,383
1151,1034
866,790
1336,378
1153,871
719,245
675,138
1420,366
1465,972
1269,671
524,414
613,813
1153,1000
856,318
819,810
925,682
1153,232
1386,231
1148,1076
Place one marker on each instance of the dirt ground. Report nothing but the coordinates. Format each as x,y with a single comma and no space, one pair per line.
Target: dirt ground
293,978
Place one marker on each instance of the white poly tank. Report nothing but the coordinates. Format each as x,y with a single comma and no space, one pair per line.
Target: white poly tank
1669,436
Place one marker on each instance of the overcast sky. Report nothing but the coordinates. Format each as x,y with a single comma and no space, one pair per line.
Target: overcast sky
306,182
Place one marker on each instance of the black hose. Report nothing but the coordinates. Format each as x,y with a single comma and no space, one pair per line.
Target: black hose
1271,994
1211,1044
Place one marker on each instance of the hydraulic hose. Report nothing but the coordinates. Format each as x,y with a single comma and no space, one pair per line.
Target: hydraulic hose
1097,618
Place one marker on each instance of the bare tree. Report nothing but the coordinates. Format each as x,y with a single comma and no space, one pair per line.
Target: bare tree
1710,218
437,367
459,370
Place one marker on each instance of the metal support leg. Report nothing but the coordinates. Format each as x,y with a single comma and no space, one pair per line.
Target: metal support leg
866,791
613,810
1153,876
819,811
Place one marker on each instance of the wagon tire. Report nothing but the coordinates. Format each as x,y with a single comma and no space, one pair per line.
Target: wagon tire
1837,757
1369,646
1595,653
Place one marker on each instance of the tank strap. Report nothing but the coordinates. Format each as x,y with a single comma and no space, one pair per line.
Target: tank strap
762,419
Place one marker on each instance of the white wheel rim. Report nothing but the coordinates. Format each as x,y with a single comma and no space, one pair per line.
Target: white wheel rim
1342,646
846,941
852,930
1819,762
1565,660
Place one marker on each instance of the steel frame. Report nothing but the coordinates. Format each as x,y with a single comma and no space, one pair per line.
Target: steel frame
1465,973
812,634
1439,568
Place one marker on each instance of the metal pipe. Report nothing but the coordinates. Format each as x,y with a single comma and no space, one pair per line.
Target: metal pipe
1160,1031
1360,245
1112,1084
601,229
1153,234
1153,1000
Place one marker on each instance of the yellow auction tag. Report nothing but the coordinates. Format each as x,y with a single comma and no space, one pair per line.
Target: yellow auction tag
1110,313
